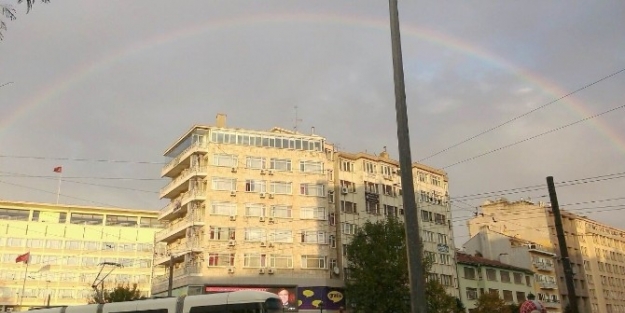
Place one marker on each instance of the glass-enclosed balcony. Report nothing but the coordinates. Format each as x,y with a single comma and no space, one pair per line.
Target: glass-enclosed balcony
181,183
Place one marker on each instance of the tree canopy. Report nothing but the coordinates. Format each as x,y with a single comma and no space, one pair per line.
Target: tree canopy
378,272
491,302
121,293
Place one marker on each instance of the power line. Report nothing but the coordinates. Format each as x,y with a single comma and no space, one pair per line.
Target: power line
521,116
536,136
79,159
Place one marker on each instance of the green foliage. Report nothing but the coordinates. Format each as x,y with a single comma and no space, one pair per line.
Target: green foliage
120,293
491,302
378,272
514,307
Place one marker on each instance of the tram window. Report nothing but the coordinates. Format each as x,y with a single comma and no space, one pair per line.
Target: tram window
209,309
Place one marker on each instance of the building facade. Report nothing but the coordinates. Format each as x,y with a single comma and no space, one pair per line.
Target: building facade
523,254
64,246
273,210
478,275
595,249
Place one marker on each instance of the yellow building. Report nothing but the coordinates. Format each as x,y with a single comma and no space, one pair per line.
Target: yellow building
595,249
66,245
274,209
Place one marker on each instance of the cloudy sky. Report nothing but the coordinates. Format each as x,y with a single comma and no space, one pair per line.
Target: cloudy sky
102,88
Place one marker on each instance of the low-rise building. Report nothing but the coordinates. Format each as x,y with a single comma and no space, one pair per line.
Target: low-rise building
478,275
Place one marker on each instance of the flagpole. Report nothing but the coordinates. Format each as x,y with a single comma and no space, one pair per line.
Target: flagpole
24,282
58,192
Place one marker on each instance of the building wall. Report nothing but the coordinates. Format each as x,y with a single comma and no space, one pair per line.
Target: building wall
471,287
310,237
66,244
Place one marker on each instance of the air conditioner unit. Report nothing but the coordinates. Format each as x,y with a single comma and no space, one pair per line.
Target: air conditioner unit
234,169
233,193
232,243
261,271
271,245
344,190
271,220
262,194
271,195
233,217
387,193
262,172
230,270
270,172
263,244
271,270
261,219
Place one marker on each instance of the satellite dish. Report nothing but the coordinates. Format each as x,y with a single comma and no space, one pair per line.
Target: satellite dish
336,270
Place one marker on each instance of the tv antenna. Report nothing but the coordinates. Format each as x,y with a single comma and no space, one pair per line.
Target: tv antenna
5,84
296,119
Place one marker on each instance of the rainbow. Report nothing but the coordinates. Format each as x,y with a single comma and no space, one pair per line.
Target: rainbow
79,73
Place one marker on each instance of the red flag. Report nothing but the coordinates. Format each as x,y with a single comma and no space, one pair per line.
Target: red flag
58,169
23,258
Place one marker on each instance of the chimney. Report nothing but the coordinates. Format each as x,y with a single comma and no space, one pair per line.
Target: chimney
504,258
312,130
221,120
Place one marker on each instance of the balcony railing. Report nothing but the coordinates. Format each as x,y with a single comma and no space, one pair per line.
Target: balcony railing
548,284
551,304
178,250
184,176
195,147
179,226
542,266
188,270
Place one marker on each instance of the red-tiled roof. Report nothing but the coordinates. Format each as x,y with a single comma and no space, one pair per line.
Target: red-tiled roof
464,258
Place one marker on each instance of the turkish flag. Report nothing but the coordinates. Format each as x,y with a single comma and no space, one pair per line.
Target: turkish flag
23,258
58,169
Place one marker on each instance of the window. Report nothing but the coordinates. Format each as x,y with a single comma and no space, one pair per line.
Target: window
349,229
221,233
252,185
226,184
254,260
254,234
223,208
390,210
72,244
257,163
229,160
428,236
386,170
45,216
370,207
14,215
442,239
348,207
317,190
86,219
446,280
371,187
369,167
120,220
472,293
314,261
520,296
150,222
351,186
332,240
312,236
281,188
505,276
332,219
444,259
507,296
282,211
518,278
436,181
281,235
347,166
430,256
280,165
426,216
254,209
469,273
491,274
281,260
318,213
311,167
220,259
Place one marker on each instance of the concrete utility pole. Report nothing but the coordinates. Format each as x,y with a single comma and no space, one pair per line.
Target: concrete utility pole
564,253
170,285
413,234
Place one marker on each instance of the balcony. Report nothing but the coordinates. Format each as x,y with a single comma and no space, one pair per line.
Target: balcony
540,249
178,251
547,284
182,161
178,228
542,266
551,304
179,184
194,269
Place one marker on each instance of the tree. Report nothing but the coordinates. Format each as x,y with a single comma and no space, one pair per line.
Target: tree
491,302
9,12
121,293
378,262
514,307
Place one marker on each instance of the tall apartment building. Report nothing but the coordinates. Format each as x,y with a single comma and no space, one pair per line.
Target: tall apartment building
66,244
595,249
524,254
273,210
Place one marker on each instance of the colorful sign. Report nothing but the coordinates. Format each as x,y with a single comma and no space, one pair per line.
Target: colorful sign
314,298
287,294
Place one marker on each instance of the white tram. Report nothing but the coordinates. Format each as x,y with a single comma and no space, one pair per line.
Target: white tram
244,301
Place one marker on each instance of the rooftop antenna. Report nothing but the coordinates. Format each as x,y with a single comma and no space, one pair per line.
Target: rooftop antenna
296,119
5,84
